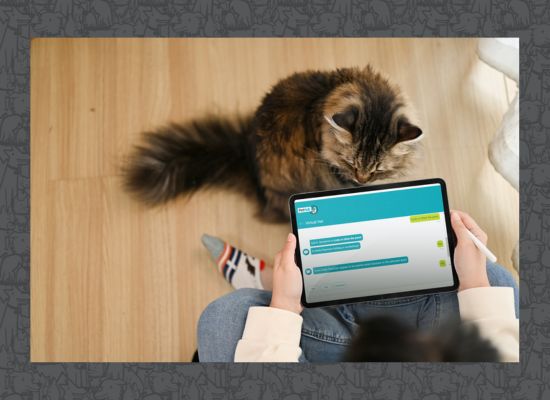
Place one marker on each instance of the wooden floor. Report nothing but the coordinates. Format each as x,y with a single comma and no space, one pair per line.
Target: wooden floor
114,281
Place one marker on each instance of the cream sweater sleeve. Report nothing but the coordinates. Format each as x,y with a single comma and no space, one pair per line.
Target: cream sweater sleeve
492,310
270,334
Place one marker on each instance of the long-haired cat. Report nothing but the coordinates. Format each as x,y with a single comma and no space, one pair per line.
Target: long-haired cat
313,131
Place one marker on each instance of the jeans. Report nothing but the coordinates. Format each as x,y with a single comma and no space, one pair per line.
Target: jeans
326,331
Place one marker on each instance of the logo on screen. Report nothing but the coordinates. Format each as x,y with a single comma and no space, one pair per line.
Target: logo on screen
309,209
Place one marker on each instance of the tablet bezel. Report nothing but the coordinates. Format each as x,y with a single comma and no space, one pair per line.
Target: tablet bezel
450,235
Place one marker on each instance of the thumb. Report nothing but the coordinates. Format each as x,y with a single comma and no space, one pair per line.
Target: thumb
459,227
287,253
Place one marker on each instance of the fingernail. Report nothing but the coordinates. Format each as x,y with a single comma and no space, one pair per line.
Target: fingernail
289,237
455,216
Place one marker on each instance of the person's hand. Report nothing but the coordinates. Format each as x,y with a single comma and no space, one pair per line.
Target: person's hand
469,261
287,279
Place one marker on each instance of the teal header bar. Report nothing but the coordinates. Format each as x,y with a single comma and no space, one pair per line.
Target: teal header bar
335,248
360,265
368,206
336,239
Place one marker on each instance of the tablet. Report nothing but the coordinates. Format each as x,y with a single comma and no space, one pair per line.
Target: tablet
374,242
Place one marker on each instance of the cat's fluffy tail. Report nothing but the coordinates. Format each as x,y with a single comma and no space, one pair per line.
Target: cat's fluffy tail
181,158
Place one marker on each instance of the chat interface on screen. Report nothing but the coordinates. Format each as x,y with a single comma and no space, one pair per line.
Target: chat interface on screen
373,243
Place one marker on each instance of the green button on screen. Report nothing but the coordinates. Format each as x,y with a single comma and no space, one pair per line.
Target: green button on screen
424,217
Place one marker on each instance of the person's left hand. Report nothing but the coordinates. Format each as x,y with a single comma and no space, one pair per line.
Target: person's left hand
287,279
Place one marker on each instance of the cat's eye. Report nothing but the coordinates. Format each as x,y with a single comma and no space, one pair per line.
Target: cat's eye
348,162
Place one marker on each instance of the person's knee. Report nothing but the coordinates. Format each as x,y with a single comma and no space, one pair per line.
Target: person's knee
234,305
222,322
251,296
245,298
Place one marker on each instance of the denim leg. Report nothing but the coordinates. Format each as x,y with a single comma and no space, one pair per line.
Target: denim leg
221,324
325,333
422,312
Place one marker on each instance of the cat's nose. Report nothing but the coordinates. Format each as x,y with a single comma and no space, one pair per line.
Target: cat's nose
361,178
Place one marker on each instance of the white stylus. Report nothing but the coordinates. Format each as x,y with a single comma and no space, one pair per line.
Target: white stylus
482,247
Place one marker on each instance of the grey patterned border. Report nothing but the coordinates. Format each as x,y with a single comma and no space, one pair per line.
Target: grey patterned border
20,21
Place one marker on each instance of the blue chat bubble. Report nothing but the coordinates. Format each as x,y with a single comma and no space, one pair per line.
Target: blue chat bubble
336,240
360,265
336,248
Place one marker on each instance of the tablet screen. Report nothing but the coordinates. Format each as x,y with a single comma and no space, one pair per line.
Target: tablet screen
373,243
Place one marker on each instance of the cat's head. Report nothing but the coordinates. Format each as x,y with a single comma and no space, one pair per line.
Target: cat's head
366,135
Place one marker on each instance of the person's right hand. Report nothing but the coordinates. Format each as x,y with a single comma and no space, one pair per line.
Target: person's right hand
469,261
287,279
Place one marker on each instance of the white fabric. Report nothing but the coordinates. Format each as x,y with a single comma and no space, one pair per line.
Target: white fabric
501,54
240,269
271,334
243,278
504,149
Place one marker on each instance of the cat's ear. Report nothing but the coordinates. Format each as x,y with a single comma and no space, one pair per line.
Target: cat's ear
343,121
407,132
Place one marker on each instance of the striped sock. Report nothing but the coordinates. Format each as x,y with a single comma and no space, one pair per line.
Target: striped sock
238,268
